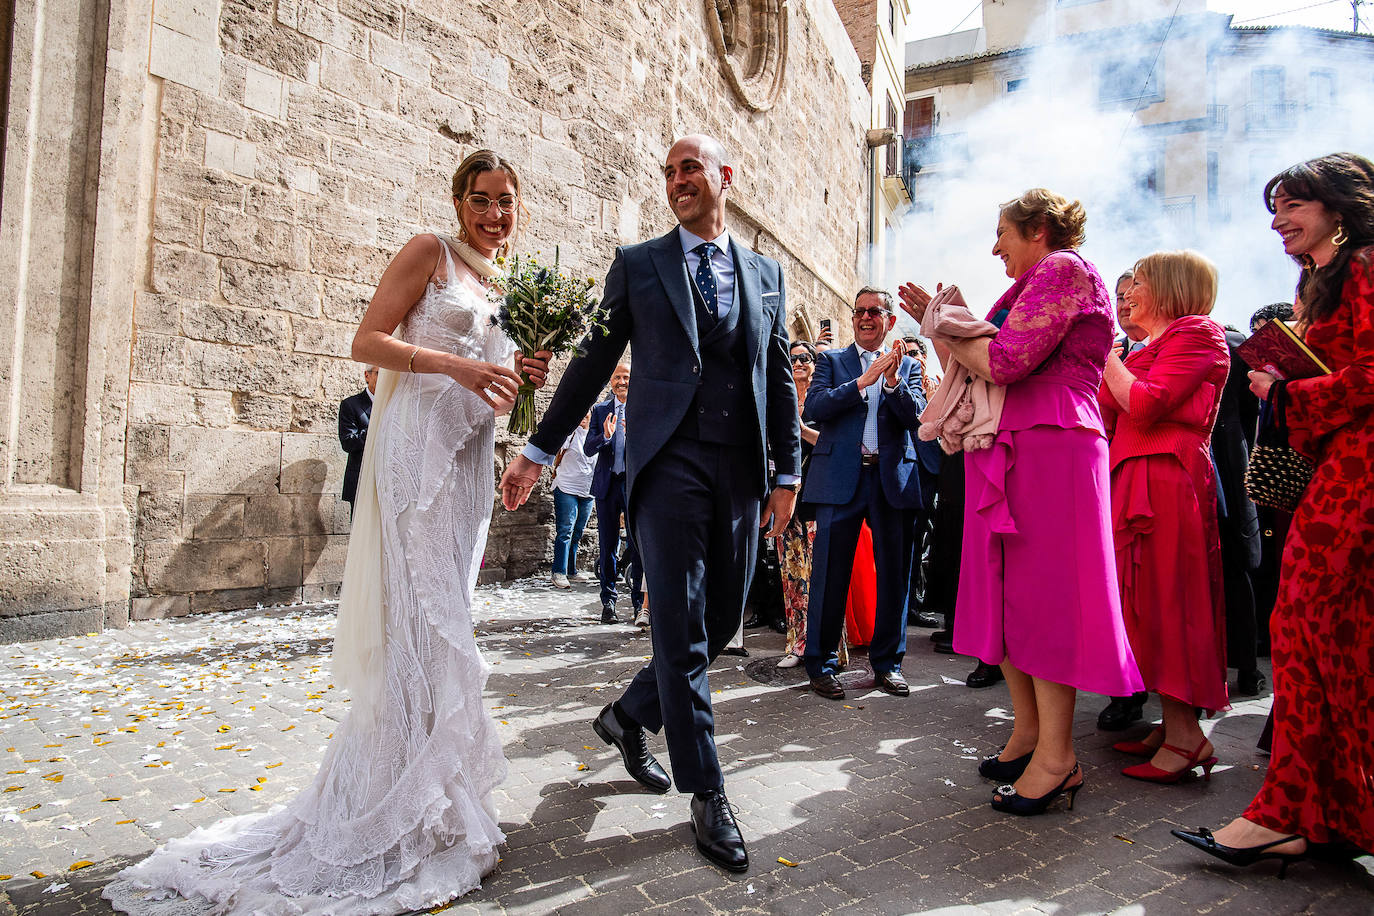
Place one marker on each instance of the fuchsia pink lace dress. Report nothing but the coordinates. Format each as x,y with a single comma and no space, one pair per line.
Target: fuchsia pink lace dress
1038,584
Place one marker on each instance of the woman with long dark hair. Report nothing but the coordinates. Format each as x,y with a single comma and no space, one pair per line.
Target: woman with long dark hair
1318,788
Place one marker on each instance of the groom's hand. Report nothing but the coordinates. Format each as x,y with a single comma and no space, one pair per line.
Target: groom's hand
518,482
778,511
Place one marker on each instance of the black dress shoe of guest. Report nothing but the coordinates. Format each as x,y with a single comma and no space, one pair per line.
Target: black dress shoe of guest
986,675
828,686
892,682
608,612
945,646
778,626
634,751
735,650
1004,771
718,836
754,621
1121,712
1251,683
932,619
1242,856
942,635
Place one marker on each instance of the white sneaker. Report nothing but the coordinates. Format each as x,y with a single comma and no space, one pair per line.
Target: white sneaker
789,661
582,576
642,618
560,581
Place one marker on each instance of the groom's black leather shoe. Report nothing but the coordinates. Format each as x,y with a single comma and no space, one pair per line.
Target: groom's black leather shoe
718,836
634,751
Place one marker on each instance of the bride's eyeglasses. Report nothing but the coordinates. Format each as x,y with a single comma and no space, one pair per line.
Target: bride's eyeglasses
480,203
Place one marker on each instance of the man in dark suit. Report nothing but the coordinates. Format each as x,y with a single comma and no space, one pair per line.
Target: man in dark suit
1122,711
354,413
866,403
714,402
1233,438
606,440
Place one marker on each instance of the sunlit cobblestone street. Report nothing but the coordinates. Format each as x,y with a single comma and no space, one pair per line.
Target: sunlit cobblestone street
117,741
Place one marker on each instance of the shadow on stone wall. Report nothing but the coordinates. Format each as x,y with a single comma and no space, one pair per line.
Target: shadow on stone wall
253,545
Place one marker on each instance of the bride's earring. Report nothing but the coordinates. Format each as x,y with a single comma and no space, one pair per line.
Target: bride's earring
1340,238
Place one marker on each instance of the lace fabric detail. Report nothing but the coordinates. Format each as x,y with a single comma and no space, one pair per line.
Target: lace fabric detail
399,816
1060,323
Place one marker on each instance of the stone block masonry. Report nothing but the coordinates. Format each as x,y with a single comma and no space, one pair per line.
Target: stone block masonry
276,154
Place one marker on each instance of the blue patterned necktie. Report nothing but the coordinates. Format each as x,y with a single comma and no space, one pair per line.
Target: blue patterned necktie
706,278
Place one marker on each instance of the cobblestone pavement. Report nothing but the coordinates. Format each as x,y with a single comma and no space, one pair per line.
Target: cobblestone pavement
115,742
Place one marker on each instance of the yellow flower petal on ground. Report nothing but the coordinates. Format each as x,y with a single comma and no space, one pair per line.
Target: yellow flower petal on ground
228,790
273,766
112,798
77,866
39,874
129,821
788,862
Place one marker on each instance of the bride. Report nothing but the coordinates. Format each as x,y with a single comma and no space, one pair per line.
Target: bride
400,815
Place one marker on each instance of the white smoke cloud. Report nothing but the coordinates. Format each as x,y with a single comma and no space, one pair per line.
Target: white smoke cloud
1054,134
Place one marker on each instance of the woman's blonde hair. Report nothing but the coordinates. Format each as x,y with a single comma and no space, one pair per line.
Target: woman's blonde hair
1182,282
1061,219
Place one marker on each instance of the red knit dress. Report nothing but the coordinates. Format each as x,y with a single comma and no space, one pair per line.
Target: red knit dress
1320,781
1164,511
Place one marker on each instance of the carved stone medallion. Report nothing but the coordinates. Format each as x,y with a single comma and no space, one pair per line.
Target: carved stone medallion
751,38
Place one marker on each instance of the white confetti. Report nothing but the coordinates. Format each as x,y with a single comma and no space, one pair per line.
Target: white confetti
55,887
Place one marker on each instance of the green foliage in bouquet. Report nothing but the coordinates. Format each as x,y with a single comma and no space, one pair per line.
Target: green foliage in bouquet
541,308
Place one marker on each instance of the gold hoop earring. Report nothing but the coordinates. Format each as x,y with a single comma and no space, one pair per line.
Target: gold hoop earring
1340,238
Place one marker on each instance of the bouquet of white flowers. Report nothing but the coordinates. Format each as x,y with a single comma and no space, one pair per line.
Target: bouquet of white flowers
540,308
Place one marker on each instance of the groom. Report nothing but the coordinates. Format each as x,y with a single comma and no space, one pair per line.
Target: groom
712,403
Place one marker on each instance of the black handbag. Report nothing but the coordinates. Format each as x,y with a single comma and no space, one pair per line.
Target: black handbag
1277,476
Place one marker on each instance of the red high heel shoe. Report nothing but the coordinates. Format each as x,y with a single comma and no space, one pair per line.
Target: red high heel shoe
1140,748
1150,773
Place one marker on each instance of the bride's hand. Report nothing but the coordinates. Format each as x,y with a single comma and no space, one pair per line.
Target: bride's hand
535,366
492,383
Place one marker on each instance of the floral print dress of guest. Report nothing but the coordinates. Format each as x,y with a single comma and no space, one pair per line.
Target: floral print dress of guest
1320,781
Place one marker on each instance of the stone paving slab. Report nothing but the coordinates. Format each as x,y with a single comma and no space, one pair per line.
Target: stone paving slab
115,742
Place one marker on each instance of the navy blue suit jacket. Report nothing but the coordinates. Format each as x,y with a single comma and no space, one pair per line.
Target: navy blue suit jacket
835,406
648,295
597,444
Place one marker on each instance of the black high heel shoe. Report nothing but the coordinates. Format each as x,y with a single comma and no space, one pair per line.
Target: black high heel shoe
1242,856
1007,801
1001,771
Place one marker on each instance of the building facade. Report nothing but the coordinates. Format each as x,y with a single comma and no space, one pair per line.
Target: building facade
1177,119
877,27
199,195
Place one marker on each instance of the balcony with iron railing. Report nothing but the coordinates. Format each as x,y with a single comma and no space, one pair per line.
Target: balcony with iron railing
922,153
1218,118
1271,116
1180,213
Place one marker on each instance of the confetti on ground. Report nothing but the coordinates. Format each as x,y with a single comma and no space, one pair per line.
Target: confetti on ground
788,862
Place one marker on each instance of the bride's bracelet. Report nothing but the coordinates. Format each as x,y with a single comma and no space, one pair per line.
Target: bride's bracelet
411,364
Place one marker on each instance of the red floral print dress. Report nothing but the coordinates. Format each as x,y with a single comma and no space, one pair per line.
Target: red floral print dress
1320,782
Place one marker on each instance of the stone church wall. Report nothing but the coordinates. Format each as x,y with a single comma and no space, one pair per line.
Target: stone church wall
257,174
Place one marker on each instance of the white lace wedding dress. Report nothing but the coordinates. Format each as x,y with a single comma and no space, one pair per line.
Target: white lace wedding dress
399,816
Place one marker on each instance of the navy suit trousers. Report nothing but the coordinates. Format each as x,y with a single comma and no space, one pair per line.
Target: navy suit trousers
696,522
832,564
608,511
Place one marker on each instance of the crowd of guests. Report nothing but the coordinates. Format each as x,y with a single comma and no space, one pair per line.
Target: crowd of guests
1068,507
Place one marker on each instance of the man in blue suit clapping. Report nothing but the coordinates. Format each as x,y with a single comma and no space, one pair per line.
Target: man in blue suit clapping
866,402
